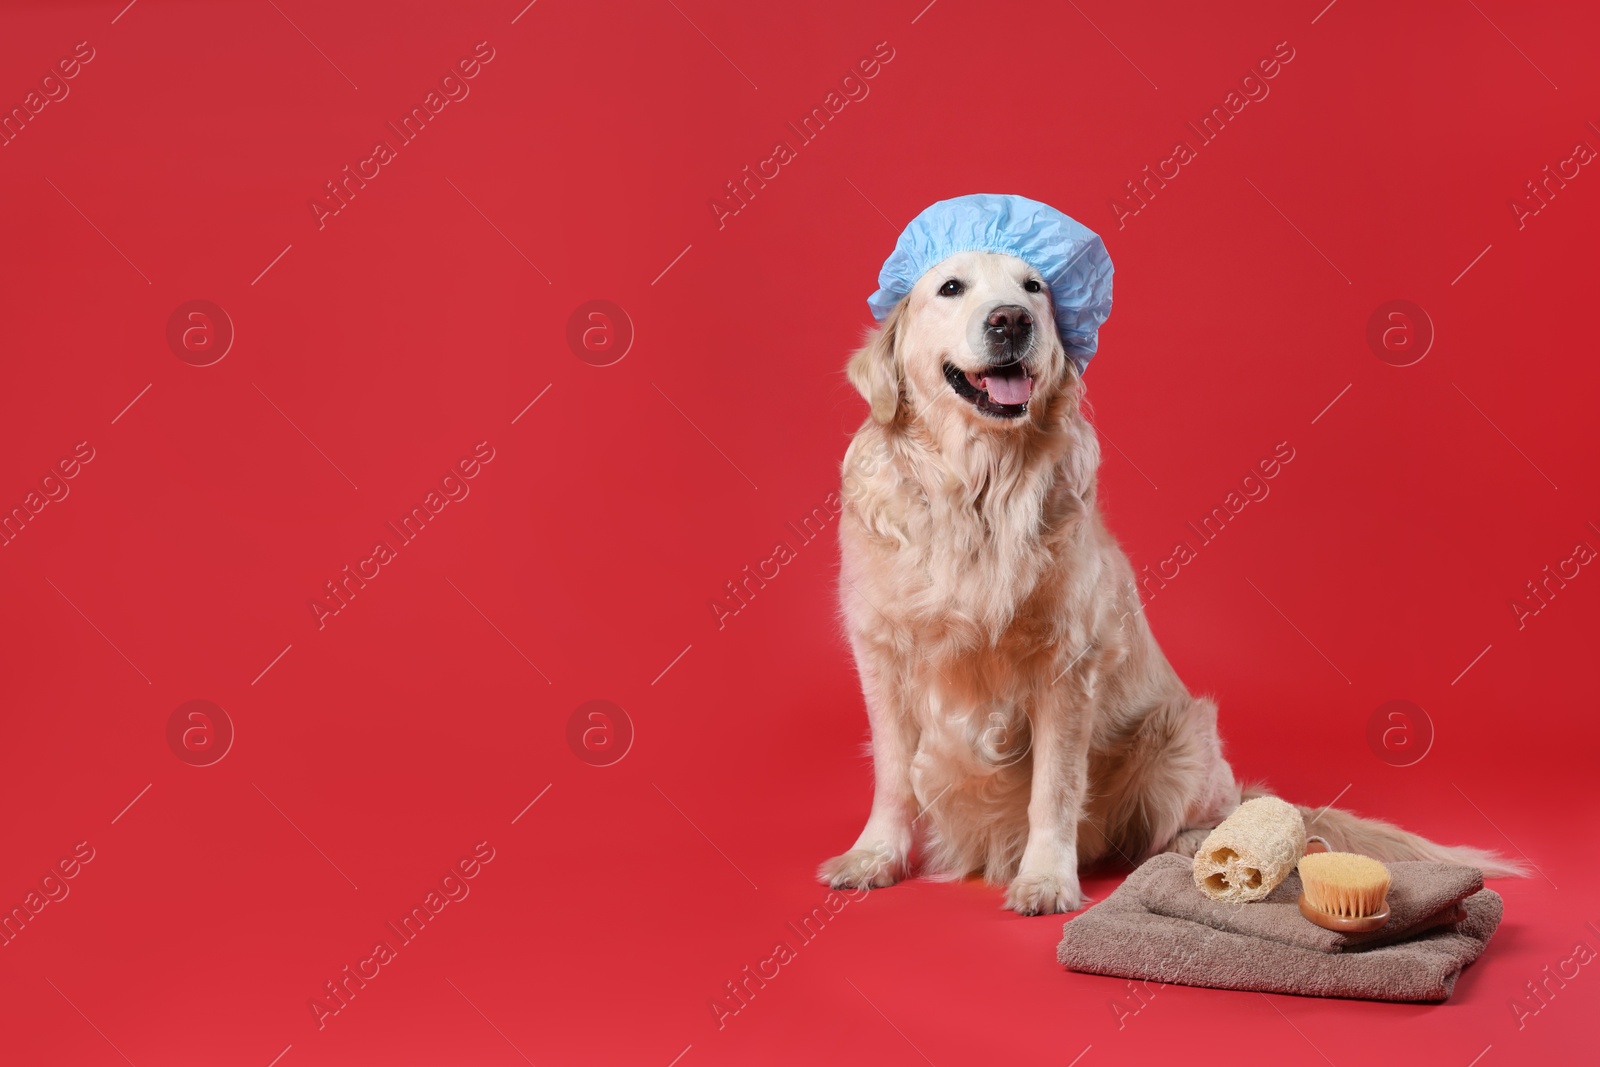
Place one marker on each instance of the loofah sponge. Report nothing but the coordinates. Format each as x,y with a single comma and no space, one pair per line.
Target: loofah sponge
1253,850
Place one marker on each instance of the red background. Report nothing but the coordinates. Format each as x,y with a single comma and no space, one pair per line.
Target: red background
427,314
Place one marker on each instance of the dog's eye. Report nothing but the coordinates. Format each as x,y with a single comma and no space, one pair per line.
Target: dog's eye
1032,285
953,287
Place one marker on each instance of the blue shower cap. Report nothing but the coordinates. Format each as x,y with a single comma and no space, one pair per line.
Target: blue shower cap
1070,256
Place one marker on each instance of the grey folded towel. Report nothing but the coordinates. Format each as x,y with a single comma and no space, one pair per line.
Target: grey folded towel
1133,934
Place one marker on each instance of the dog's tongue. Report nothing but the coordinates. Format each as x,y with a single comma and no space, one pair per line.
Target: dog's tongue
1008,385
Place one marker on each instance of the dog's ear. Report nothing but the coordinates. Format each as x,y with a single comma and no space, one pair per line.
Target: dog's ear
875,369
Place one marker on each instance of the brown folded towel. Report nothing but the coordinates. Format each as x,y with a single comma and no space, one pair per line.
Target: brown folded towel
1122,936
1422,895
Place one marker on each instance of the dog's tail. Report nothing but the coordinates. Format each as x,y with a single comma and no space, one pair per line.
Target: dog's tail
1347,832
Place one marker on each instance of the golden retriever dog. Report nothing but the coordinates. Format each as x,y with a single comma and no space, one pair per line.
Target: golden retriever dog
1024,720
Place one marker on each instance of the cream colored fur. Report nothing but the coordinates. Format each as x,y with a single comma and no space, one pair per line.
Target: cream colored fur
1024,720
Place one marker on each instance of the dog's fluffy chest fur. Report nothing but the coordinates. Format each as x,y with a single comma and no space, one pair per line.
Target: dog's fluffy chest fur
973,557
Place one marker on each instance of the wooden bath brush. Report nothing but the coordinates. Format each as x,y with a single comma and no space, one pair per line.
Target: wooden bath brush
1343,891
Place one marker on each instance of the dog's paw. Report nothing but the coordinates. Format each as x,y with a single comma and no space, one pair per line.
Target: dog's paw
1044,894
1188,842
860,868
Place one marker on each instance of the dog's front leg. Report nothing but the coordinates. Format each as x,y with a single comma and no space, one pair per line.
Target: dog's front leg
881,855
1047,881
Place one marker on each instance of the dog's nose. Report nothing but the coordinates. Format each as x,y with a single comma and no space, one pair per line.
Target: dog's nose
1009,325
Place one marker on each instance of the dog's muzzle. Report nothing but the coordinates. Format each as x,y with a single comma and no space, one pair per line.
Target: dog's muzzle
1003,337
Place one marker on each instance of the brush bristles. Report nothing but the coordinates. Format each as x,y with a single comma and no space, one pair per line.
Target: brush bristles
1344,884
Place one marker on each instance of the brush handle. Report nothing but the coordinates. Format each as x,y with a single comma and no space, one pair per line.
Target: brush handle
1357,924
